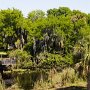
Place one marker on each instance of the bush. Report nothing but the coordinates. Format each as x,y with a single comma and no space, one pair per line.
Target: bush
21,57
48,60
27,65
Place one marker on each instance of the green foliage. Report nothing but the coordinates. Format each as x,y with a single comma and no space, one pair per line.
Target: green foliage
34,15
60,11
48,60
55,40
55,36
21,57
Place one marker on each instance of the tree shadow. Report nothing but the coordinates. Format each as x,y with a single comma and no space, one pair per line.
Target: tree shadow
72,88
27,80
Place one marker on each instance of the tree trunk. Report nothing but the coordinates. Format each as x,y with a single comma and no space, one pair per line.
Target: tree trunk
88,78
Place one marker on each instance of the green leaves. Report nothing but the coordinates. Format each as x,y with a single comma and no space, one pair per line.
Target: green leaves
48,60
34,15
60,11
22,57
55,35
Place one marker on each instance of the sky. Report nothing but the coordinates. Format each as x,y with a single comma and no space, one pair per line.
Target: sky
27,6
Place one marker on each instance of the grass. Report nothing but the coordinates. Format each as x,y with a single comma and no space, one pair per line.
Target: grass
65,80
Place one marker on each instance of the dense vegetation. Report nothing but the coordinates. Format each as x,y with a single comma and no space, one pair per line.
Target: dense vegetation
56,39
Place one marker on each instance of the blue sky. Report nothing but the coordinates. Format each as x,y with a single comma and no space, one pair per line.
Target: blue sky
29,5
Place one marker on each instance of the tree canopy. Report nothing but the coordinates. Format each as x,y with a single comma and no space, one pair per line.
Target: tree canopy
60,32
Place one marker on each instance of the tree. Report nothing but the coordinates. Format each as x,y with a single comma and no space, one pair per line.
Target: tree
85,44
34,15
60,11
10,25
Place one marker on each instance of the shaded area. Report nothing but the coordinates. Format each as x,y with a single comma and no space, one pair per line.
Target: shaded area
72,88
8,79
27,80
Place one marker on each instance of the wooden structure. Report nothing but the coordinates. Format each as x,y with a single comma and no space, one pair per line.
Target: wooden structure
6,60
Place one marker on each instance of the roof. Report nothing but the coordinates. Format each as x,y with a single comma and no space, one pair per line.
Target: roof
3,53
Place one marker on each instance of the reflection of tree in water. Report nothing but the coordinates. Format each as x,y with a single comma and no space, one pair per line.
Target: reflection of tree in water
30,78
2,68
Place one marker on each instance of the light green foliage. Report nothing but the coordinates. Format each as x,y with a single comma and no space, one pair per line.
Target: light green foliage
21,57
34,15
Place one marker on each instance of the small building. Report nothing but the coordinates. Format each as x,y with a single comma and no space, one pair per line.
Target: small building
6,60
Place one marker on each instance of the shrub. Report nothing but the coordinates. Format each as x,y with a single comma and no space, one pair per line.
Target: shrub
21,57
48,60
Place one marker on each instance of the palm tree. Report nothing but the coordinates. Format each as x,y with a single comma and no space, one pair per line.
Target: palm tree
85,44
86,59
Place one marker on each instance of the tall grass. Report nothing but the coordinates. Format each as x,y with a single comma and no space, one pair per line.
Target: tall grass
27,80
68,76
57,80
43,80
